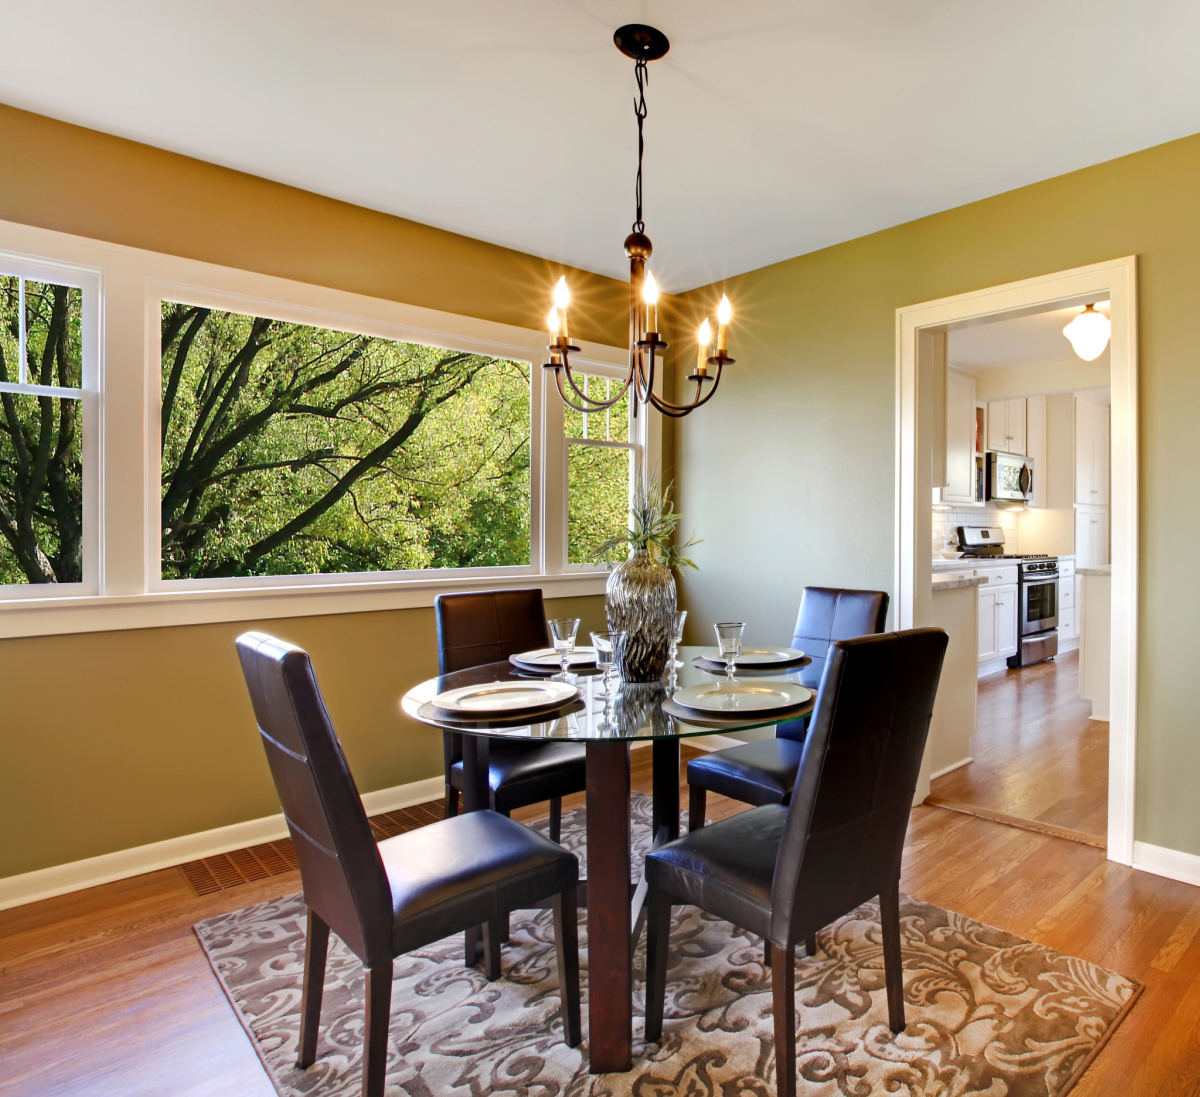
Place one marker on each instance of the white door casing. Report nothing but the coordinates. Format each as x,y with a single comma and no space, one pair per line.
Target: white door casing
1116,280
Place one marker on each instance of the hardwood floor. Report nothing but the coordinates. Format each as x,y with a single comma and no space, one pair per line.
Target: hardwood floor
1037,755
106,992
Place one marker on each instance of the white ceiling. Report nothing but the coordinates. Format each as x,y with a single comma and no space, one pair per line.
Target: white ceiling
775,127
1036,340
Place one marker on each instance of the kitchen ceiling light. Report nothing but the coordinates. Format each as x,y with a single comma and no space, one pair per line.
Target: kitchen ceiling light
642,44
1089,333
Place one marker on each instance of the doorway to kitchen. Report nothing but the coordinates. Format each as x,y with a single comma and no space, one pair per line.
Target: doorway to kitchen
1003,487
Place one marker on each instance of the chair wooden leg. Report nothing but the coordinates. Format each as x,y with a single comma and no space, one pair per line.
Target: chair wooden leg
658,945
555,818
566,938
378,1019
766,953
316,948
474,946
893,962
493,942
783,999
451,802
697,801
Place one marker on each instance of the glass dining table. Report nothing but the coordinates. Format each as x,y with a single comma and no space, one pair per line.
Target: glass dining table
608,728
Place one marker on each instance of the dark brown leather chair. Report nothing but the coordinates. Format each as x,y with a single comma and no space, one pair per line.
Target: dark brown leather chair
486,627
786,872
386,899
764,772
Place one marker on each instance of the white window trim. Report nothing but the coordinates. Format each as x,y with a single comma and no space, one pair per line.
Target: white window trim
123,587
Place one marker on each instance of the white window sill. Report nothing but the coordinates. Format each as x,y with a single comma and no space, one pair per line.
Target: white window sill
162,609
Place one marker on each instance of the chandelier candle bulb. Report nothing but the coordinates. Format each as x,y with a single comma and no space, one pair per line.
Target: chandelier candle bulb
705,339
650,294
724,315
562,298
552,324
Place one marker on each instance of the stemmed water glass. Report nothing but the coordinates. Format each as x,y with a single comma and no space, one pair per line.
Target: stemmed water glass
608,647
729,642
677,638
562,632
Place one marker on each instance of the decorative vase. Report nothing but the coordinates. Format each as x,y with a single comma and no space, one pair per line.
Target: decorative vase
640,601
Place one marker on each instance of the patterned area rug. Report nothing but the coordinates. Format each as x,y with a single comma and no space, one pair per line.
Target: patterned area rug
988,1012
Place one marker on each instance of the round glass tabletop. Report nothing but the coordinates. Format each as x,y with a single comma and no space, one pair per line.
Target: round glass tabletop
636,712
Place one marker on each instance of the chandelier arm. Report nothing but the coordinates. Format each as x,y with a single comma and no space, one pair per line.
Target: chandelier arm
562,392
678,411
596,405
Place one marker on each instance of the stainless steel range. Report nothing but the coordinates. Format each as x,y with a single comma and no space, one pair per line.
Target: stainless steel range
1037,592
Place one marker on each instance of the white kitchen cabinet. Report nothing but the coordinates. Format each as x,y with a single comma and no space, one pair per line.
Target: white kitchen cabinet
987,625
1068,611
1006,429
960,438
1091,536
1036,447
997,613
1091,452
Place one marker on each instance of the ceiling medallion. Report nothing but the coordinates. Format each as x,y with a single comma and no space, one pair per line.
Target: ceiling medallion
642,44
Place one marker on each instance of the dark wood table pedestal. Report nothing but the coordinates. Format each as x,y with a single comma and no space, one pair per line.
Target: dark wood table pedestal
614,916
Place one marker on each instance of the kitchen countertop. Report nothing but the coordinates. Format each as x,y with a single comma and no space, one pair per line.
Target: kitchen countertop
953,582
1102,569
954,565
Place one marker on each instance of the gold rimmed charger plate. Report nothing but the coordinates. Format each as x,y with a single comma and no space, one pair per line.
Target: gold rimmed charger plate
728,700
504,700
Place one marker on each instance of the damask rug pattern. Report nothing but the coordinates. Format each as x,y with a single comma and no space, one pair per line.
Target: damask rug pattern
988,1012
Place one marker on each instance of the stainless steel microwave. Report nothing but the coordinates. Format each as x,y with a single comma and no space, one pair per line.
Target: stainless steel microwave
1009,477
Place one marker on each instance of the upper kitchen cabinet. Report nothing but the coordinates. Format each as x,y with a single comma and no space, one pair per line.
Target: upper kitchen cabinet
1036,447
960,438
1006,426
1091,452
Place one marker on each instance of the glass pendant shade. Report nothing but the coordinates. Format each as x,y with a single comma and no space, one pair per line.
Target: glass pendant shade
1089,333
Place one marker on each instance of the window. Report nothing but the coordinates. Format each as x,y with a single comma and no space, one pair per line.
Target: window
41,432
290,449
184,443
601,454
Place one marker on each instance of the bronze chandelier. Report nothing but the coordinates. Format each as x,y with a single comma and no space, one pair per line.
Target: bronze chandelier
642,44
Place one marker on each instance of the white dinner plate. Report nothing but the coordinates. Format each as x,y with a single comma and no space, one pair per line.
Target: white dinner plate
506,697
548,657
752,696
756,657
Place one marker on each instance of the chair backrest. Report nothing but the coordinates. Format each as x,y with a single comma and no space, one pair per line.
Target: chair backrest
340,867
844,834
487,626
828,614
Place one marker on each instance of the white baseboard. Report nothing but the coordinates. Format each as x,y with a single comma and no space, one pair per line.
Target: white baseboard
951,768
43,883
1171,863
713,742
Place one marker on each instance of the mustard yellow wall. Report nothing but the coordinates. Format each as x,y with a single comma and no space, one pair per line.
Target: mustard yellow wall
112,740
789,475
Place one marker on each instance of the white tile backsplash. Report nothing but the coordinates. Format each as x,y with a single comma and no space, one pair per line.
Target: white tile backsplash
946,522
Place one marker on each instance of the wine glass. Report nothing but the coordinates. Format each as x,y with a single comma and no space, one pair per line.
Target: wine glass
729,642
677,638
608,647
562,632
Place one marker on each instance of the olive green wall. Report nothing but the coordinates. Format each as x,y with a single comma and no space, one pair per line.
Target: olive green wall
789,474
115,739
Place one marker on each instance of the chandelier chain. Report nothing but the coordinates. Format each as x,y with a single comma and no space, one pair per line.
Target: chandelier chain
639,109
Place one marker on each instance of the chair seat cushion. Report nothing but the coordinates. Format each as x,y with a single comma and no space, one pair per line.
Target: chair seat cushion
521,773
726,867
462,871
754,773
